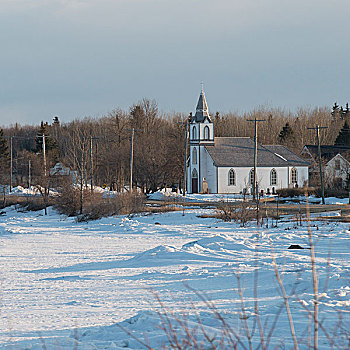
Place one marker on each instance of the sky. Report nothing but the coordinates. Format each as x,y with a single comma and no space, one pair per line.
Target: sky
79,58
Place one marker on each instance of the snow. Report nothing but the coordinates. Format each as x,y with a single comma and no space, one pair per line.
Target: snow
167,194
67,284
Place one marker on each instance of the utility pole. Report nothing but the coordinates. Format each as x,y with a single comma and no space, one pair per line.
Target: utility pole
91,166
44,155
185,160
255,181
46,184
317,128
91,163
11,157
29,174
132,155
11,162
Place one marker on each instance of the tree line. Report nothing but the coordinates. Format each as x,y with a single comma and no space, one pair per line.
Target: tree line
99,149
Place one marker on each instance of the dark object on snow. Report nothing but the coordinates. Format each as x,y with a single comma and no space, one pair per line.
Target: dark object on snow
295,246
157,223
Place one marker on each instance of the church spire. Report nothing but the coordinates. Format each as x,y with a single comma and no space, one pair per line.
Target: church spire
202,111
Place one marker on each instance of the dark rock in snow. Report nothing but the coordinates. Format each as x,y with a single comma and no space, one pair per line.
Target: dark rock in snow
295,246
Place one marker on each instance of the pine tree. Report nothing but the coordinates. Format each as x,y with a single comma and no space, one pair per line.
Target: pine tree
335,111
343,138
286,134
50,143
4,158
4,152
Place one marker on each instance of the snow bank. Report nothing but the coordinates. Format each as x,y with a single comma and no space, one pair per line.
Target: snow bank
100,277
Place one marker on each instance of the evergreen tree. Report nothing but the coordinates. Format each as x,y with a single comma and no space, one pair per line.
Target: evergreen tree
343,138
4,157
286,134
335,111
50,143
4,152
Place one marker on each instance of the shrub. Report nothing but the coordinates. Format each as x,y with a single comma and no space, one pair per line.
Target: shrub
33,203
241,213
95,205
332,192
294,192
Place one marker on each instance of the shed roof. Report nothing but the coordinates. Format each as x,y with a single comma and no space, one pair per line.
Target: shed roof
327,151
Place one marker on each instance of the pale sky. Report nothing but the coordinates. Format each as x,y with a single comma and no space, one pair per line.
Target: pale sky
77,58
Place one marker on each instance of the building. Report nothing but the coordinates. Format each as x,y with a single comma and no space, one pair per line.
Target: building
60,174
225,164
335,162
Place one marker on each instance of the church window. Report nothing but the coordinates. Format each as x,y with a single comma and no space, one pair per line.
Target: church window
231,178
294,176
194,133
273,177
194,174
251,177
206,133
194,156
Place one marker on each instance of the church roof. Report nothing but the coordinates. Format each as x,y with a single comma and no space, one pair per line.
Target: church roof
239,152
202,111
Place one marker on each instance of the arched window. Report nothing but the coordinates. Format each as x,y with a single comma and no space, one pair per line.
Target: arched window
194,156
206,133
251,177
273,177
294,176
194,174
194,133
231,178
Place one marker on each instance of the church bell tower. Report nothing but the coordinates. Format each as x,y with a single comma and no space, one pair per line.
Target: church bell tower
201,134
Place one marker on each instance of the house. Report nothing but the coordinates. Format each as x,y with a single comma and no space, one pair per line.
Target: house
225,164
336,166
59,173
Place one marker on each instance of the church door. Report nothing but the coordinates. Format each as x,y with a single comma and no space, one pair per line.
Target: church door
194,181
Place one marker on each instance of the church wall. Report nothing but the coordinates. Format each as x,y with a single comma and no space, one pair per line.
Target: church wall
211,173
208,170
243,180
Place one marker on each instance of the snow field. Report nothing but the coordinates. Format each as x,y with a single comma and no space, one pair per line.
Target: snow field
57,275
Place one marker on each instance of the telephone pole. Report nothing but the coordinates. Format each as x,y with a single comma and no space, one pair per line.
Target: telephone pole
317,128
185,159
46,182
44,155
92,163
255,182
29,173
132,155
11,162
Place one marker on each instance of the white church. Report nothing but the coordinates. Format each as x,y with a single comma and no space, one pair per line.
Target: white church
226,164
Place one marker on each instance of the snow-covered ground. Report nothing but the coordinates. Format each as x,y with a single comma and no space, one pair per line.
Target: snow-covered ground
58,275
167,194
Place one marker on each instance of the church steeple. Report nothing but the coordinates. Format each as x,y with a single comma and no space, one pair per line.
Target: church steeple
202,111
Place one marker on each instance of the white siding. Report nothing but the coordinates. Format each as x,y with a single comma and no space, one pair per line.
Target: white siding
208,170
263,178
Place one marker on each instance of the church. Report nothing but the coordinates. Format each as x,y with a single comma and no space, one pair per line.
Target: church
226,164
